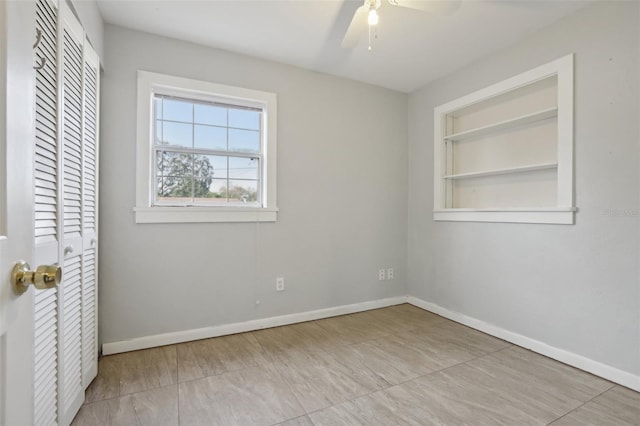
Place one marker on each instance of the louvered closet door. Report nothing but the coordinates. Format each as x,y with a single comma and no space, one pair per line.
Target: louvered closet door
46,218
66,163
71,389
90,216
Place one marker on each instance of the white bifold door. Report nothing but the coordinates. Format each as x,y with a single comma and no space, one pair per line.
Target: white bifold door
65,216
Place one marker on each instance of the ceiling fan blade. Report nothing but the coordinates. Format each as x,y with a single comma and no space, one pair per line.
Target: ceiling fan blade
436,7
356,29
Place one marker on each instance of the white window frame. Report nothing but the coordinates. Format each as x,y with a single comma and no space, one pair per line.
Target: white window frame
149,84
560,213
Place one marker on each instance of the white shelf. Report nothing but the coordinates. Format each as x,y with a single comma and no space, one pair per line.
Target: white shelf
549,215
503,125
520,169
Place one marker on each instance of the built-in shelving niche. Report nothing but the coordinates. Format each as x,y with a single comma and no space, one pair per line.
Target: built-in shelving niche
505,153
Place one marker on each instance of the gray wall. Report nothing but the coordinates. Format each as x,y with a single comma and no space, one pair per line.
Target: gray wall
572,287
88,13
342,194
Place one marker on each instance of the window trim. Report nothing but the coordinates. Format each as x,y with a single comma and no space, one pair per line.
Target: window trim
150,83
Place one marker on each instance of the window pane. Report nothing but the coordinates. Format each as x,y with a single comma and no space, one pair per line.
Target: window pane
243,168
209,114
244,119
218,165
244,140
203,173
210,137
176,164
174,176
178,134
174,188
243,191
177,110
218,190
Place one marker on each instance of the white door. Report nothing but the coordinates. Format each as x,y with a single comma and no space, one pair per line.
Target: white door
48,212
17,99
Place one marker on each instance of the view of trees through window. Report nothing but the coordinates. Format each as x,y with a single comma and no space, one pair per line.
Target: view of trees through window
206,153
186,176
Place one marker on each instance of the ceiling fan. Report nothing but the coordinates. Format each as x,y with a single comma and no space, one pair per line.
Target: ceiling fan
366,16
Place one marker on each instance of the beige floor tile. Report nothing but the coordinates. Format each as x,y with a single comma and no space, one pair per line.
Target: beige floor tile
321,379
463,395
342,371
395,364
398,318
620,402
616,407
554,377
511,386
107,383
252,396
406,407
405,355
344,414
474,341
399,406
363,326
131,372
209,357
409,316
157,407
349,329
94,414
380,408
298,421
283,343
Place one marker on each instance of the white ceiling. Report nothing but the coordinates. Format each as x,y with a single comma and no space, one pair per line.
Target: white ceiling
412,48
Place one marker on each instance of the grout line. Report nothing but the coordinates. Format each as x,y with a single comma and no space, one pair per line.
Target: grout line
295,418
235,370
129,394
290,387
178,402
178,383
581,405
454,365
271,361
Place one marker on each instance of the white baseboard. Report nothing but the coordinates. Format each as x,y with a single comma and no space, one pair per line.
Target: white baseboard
599,369
241,327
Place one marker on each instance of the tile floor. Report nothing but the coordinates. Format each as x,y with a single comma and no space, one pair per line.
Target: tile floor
394,366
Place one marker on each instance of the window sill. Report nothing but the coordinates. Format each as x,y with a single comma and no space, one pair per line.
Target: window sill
204,214
560,216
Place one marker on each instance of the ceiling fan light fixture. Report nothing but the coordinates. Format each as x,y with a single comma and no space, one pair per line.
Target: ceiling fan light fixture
373,17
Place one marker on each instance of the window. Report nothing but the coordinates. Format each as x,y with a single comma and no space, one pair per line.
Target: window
505,153
206,152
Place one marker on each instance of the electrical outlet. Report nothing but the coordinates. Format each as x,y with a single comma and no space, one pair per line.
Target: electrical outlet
280,284
381,275
390,273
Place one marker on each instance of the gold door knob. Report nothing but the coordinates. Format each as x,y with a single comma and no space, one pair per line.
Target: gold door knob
44,277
